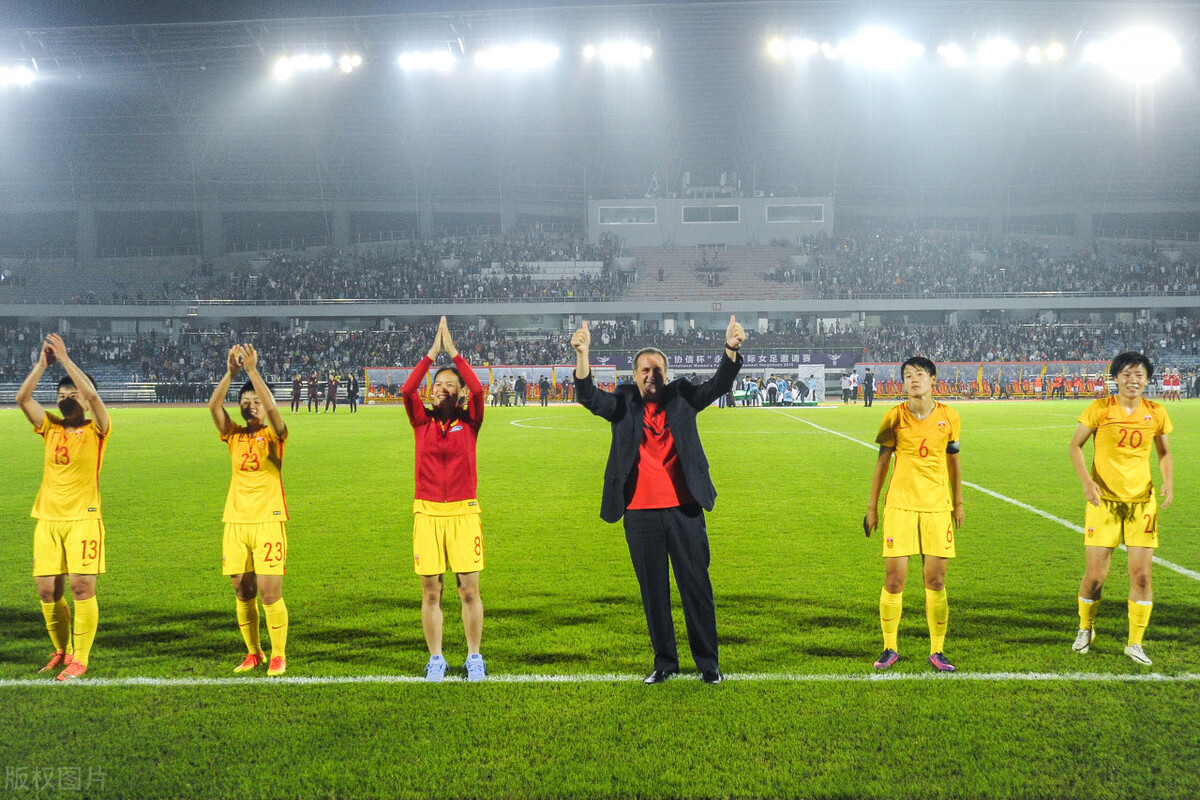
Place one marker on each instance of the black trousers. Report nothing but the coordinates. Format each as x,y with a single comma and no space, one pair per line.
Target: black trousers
678,537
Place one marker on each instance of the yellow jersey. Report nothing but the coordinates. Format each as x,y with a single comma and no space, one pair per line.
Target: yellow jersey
256,485
71,475
1122,444
920,479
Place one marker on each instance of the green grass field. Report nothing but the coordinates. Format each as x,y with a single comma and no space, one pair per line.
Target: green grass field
797,589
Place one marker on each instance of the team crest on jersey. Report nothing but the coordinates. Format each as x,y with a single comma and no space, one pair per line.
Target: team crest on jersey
1091,531
1148,418
890,542
260,439
455,428
941,425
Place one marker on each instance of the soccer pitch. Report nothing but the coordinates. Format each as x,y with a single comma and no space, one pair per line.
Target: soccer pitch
564,712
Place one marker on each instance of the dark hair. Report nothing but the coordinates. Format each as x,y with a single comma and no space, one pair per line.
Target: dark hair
457,374
248,386
920,362
67,380
652,351
1130,359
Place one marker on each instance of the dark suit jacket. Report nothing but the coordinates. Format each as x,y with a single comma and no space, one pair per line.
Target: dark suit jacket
624,409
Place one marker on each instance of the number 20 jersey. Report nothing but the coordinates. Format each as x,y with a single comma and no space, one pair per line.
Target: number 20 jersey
1123,443
920,479
256,485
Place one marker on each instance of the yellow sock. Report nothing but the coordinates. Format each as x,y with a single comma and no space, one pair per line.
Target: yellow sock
87,618
937,614
890,608
247,617
277,627
1139,618
58,624
1087,613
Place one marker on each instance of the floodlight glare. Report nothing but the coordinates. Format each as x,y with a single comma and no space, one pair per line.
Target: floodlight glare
1054,51
802,48
829,51
1034,54
998,52
287,66
16,76
777,49
518,58
589,51
880,47
283,68
349,63
952,54
435,60
1138,55
623,53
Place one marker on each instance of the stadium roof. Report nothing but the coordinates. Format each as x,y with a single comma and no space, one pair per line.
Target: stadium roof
185,109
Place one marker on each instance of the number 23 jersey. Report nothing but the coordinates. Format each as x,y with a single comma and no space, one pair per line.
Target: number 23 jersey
1123,443
256,485
920,479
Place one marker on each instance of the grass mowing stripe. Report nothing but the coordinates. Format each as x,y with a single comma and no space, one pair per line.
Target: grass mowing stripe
1182,570
748,677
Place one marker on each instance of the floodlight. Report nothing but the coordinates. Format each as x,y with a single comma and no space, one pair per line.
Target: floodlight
349,63
283,68
589,51
16,76
522,57
802,48
998,52
418,61
777,49
952,54
1034,54
1138,55
287,66
622,53
829,51
880,47
1054,51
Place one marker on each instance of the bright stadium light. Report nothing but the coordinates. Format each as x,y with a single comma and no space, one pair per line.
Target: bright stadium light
777,48
619,53
1138,55
998,52
829,51
517,58
1054,52
427,61
1034,54
952,54
880,47
349,62
20,75
287,66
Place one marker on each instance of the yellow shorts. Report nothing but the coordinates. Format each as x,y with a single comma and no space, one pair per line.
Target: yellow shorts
447,535
68,546
910,533
259,547
1104,528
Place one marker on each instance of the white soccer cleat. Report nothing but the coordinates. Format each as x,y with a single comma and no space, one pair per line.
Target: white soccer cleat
1083,641
1135,652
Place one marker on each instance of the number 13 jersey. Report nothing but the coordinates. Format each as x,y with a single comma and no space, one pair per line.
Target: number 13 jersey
920,480
256,485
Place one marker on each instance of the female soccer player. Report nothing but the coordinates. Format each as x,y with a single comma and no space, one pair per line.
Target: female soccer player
446,527
1121,503
68,542
923,507
254,548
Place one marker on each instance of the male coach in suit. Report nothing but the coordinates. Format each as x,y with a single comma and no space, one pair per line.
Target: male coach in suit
657,479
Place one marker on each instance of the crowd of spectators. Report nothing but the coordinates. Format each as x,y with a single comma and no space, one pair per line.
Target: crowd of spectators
199,357
908,261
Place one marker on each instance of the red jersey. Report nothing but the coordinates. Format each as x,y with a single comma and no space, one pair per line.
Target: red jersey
658,481
445,459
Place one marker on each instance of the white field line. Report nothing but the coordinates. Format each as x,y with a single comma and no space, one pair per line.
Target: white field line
784,677
1188,573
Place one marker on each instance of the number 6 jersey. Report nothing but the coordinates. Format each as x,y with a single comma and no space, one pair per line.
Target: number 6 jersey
256,485
1122,446
920,480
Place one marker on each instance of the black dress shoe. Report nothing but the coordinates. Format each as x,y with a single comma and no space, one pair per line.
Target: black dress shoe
711,676
660,676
